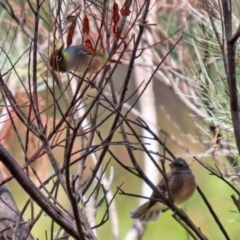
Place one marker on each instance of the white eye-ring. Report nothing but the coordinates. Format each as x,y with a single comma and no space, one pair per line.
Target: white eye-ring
59,58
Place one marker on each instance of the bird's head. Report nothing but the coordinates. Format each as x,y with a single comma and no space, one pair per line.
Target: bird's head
58,60
179,165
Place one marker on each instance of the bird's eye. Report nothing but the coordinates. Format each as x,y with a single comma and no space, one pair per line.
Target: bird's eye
59,58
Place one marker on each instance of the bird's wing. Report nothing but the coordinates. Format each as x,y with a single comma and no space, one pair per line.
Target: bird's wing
84,50
162,187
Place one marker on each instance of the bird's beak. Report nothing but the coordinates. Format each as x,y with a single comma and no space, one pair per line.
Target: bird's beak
61,48
170,164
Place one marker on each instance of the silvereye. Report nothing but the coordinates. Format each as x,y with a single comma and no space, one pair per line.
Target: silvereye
77,58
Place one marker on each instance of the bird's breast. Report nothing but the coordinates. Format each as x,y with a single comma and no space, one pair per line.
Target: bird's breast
81,64
184,188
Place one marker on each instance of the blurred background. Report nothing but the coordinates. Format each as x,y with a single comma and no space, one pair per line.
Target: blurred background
177,85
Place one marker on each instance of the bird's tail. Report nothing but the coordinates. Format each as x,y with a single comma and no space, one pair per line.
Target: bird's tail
146,214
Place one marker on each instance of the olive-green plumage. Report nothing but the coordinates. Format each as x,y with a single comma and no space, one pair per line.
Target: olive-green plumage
76,58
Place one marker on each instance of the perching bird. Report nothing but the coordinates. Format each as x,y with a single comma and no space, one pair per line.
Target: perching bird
181,185
78,58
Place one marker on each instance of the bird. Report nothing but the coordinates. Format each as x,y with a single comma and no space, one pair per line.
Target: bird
181,186
79,59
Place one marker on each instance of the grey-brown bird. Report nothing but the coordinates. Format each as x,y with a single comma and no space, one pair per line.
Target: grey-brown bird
181,185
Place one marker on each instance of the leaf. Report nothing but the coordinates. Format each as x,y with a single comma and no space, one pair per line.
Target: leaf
71,30
85,28
115,16
88,45
125,11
